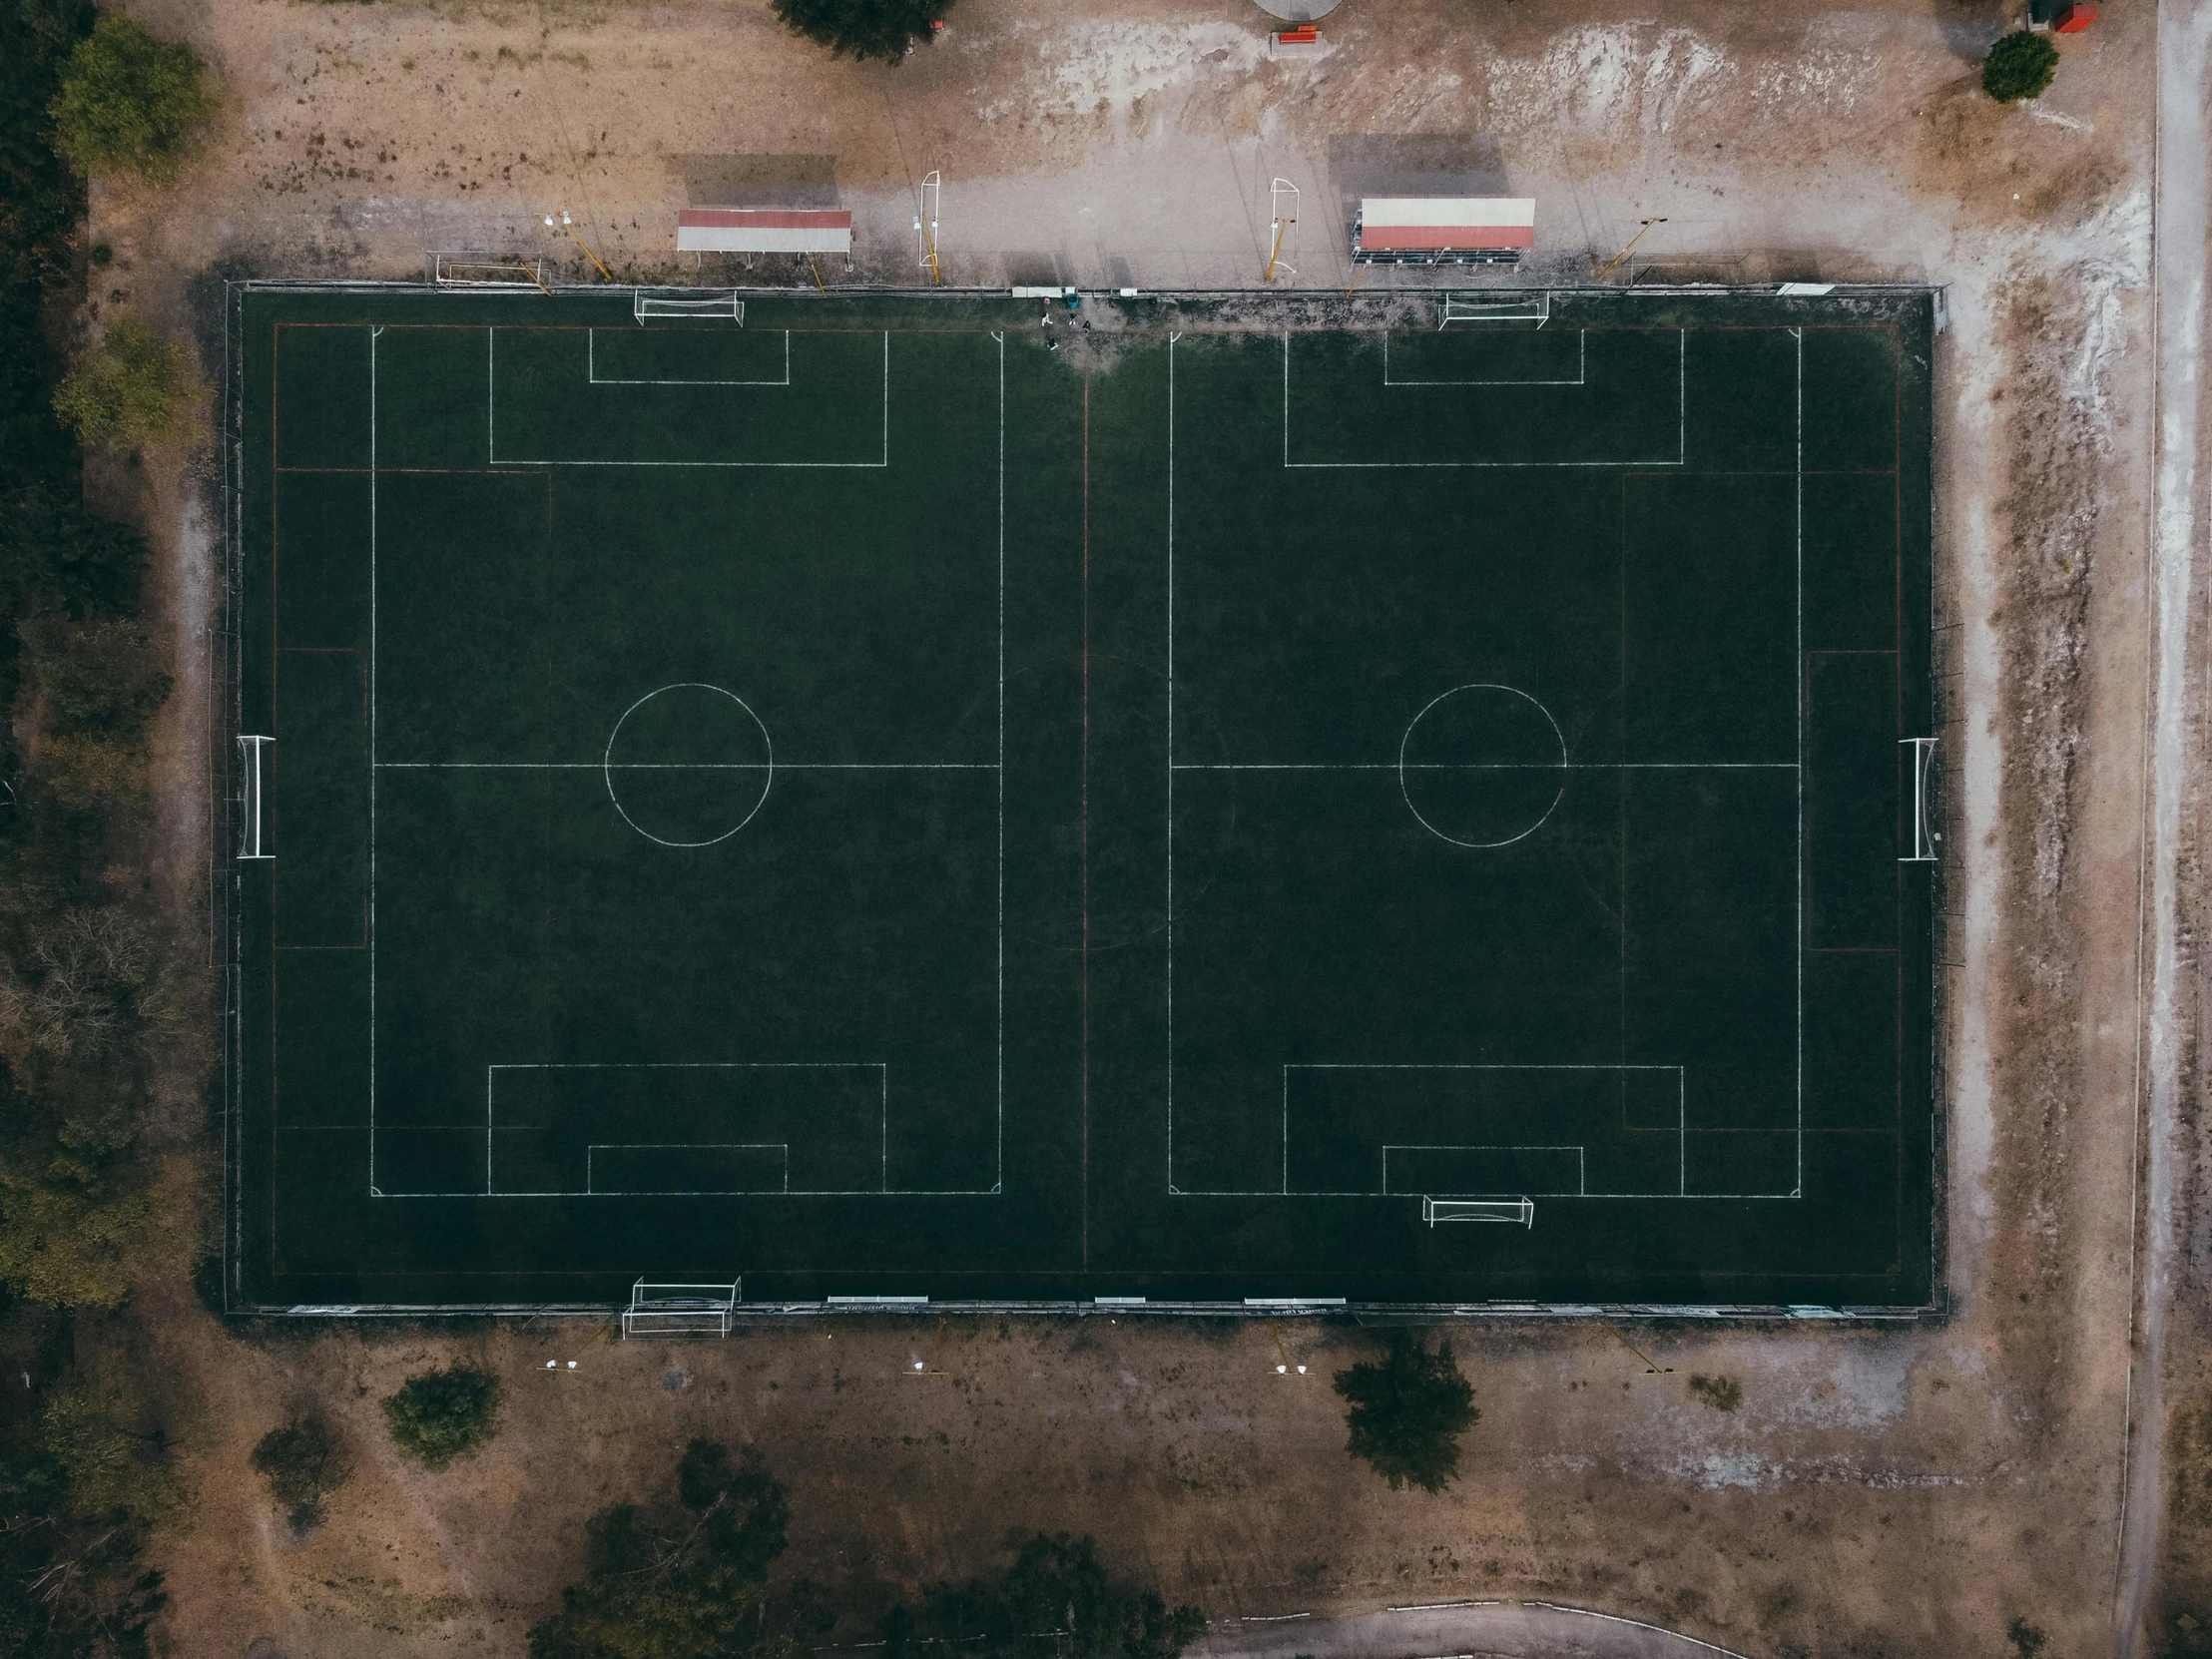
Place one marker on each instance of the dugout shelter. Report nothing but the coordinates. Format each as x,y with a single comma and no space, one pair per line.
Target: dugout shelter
1443,230
799,230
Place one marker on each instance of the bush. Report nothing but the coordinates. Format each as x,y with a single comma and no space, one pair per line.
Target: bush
130,103
443,1414
301,1461
1409,1411
686,1580
61,1246
57,558
133,388
106,677
885,29
115,1451
1057,1584
2019,66
1723,1394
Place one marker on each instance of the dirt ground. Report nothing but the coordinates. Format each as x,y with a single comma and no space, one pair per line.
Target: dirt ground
1880,1491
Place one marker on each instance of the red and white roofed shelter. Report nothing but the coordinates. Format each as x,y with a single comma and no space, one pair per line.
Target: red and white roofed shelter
800,230
1443,230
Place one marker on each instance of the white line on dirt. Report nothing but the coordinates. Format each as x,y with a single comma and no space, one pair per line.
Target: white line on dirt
1462,1630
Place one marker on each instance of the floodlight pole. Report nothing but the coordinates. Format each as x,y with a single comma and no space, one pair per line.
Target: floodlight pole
1644,225
1651,1369
1277,190
569,225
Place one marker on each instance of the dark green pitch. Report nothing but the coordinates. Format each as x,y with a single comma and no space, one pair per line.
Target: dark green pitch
886,807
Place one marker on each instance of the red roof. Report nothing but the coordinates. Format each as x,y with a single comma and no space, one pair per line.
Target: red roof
766,219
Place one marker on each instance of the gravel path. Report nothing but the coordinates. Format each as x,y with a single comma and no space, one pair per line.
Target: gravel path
2185,67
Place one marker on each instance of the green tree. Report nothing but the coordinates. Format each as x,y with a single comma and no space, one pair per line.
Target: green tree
114,1449
2021,65
443,1414
63,1246
71,1584
688,1579
131,102
886,29
135,387
1408,1411
57,559
1057,1600
302,1461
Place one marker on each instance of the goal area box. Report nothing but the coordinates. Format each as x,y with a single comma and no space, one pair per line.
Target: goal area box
1433,807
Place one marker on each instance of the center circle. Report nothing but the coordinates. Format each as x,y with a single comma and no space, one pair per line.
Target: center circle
689,764
1482,766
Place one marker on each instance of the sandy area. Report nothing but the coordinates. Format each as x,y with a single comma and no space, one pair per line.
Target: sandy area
1900,1491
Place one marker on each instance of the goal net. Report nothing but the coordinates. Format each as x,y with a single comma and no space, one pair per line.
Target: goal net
679,1309
1510,307
716,304
1520,1212
487,271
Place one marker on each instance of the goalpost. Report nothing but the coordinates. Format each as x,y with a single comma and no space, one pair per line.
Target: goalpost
1517,308
679,1309
715,305
1520,1212
487,271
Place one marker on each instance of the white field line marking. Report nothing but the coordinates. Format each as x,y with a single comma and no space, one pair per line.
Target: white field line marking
866,466
1581,1167
800,1192
998,766
687,766
373,336
607,767
1558,737
592,375
1681,448
880,1067
593,1190
1681,1075
1171,723
1582,371
998,1146
1799,334
1487,765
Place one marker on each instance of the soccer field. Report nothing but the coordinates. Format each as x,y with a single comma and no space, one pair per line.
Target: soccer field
865,804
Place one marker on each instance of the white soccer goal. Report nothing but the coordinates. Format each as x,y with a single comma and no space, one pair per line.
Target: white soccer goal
926,207
677,1311
712,305
1520,1212
488,270
1510,307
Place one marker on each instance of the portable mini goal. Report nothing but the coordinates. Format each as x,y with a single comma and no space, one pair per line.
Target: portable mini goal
489,270
680,1311
1510,307
1513,1211
705,304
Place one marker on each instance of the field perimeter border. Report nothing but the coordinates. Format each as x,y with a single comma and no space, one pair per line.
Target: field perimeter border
1233,311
